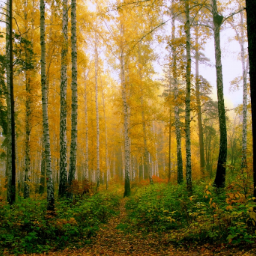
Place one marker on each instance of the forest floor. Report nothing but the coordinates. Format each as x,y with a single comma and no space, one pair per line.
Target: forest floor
112,241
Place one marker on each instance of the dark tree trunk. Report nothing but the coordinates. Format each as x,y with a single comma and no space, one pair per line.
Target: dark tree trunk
11,192
251,26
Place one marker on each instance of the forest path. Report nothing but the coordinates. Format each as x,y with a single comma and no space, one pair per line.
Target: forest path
112,241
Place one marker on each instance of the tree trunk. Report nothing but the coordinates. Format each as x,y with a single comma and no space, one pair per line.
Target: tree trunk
188,89
97,112
251,25
199,110
63,103
106,138
219,181
244,138
73,147
176,108
11,154
50,188
27,138
127,188
28,114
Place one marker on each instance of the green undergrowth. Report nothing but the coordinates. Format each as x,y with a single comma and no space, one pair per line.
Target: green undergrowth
208,216
26,227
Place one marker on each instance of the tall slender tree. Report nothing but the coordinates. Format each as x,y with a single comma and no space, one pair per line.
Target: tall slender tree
251,25
11,154
221,167
127,188
50,189
73,147
28,112
188,93
244,140
63,103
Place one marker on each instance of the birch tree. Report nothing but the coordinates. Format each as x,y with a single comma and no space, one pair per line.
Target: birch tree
188,92
73,147
63,103
50,189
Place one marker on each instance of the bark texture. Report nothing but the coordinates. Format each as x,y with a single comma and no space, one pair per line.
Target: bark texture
11,154
251,25
244,139
221,167
73,147
63,103
27,138
28,114
50,189
188,93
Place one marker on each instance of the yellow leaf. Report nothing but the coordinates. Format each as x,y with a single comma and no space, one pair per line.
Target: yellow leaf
229,207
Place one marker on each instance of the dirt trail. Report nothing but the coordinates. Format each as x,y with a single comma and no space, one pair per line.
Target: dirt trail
112,241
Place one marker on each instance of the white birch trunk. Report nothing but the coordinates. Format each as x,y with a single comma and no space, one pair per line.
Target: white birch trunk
244,139
50,189
188,91
63,103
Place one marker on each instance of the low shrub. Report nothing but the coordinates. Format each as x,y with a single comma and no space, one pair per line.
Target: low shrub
210,215
26,227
